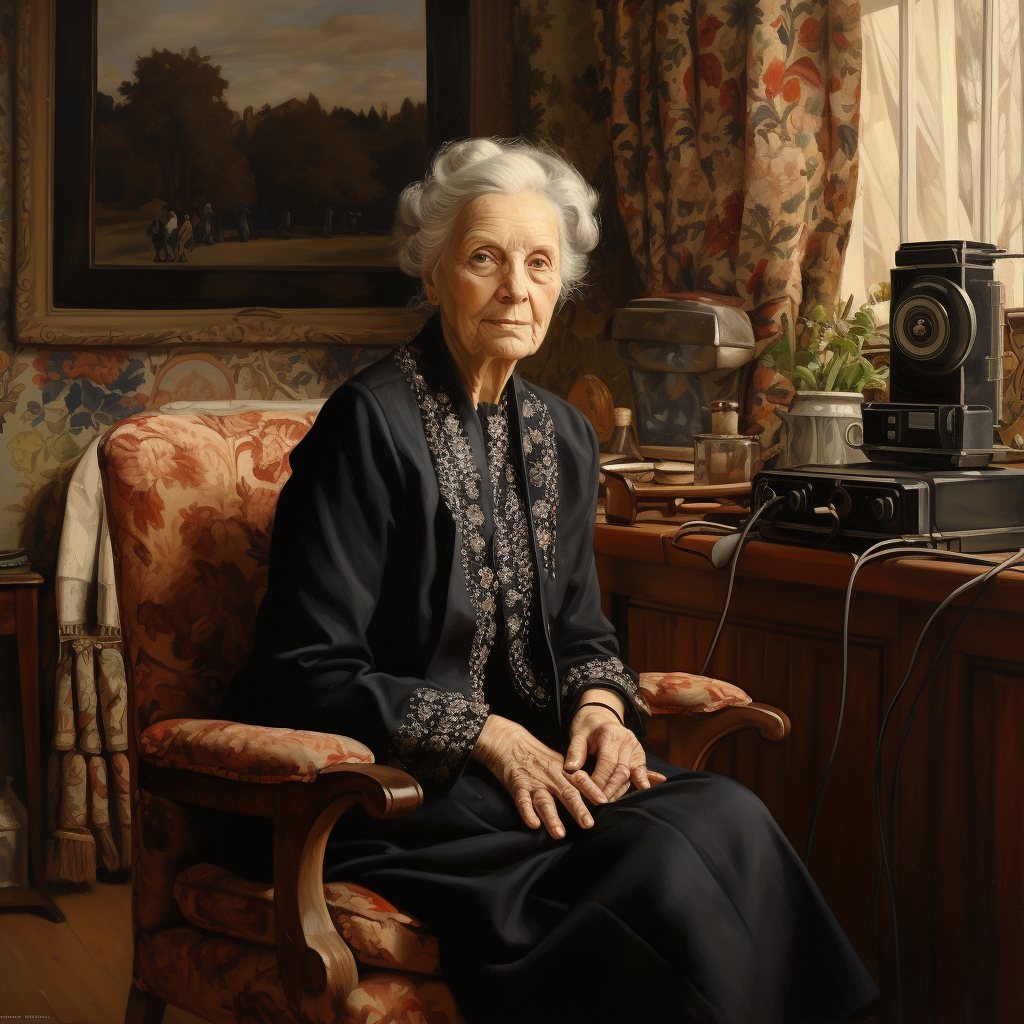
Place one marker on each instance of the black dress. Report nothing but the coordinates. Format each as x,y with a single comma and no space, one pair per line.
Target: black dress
432,563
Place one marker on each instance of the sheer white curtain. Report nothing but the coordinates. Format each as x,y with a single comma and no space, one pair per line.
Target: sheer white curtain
948,193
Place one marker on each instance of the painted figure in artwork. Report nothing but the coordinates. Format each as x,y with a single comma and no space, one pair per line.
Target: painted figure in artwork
433,593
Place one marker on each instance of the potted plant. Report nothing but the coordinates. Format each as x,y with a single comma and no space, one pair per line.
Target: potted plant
830,374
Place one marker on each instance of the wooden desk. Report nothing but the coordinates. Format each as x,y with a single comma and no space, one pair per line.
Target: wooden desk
19,615
960,863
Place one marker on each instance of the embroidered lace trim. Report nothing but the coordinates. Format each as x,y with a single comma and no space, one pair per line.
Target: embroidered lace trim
441,727
542,472
601,670
437,732
513,559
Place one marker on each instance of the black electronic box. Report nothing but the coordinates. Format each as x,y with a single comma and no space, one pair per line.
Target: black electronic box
973,510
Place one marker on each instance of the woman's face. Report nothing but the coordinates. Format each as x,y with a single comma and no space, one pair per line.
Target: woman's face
498,281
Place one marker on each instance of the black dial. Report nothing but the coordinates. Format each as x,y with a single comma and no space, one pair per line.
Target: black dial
883,509
797,500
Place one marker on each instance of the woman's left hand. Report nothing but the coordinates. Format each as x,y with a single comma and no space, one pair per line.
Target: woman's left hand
621,759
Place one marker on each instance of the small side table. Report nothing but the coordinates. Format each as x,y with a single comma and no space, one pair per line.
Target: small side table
19,615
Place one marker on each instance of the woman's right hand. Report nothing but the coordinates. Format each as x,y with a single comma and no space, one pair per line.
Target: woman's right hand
534,774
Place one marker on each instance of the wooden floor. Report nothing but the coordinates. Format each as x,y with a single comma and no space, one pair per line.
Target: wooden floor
77,972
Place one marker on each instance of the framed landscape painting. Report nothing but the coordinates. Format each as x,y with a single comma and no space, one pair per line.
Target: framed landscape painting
278,135
227,170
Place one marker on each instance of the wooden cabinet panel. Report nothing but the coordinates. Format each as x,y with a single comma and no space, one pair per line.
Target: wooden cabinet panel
960,846
801,673
960,820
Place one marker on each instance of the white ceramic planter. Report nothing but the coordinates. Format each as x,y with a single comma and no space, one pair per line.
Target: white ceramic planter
820,429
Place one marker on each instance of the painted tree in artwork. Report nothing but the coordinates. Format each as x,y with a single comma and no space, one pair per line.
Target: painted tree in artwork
306,161
178,122
173,138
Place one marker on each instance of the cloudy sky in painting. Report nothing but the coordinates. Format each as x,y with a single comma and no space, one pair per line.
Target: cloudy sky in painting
352,53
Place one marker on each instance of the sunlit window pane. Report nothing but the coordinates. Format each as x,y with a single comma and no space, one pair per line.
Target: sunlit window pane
945,198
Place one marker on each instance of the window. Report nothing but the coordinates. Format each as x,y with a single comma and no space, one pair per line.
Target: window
961,85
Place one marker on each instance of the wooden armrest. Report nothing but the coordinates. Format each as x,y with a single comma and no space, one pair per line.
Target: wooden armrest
692,737
314,960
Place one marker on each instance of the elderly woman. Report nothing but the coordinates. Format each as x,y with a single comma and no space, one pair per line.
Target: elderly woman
433,593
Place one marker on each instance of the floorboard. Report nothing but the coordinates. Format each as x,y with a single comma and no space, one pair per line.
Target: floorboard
77,972
19,994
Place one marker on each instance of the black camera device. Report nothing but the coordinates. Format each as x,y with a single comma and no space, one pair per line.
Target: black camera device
945,358
936,434
926,431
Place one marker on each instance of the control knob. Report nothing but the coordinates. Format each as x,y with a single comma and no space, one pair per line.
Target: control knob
797,500
883,509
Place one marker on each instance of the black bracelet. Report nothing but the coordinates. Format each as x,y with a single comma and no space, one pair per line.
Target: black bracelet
599,704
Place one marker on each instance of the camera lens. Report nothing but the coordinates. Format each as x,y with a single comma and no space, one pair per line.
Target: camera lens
934,325
922,327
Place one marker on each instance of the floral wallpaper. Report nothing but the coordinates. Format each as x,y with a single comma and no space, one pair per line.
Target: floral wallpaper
60,400
558,99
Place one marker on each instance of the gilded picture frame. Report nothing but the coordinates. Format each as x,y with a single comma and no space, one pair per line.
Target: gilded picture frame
470,88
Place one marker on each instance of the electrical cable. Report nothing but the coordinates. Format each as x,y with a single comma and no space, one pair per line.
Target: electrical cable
982,583
881,549
876,886
872,554
905,547
734,562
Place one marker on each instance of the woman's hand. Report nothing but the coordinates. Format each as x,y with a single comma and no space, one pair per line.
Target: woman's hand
534,774
620,759
693,693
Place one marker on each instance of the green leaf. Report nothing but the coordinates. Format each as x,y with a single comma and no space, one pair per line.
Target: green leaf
849,378
819,314
780,350
784,234
794,203
836,363
64,448
848,140
803,376
847,345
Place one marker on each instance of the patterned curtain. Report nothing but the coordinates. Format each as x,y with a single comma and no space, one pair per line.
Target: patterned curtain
733,128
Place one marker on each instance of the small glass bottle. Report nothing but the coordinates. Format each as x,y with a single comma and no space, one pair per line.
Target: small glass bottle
623,444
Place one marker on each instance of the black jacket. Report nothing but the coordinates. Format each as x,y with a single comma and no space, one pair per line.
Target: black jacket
392,578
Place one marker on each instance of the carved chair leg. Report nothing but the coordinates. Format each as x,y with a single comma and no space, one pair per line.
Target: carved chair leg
143,1007
317,967
315,961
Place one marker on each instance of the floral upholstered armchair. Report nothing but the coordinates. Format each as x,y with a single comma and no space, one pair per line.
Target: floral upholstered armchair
190,504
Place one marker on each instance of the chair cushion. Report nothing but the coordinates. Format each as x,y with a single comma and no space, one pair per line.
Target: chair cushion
379,935
190,510
252,753
672,693
226,981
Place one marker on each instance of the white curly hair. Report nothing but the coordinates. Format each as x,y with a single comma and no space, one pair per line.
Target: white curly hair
462,171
